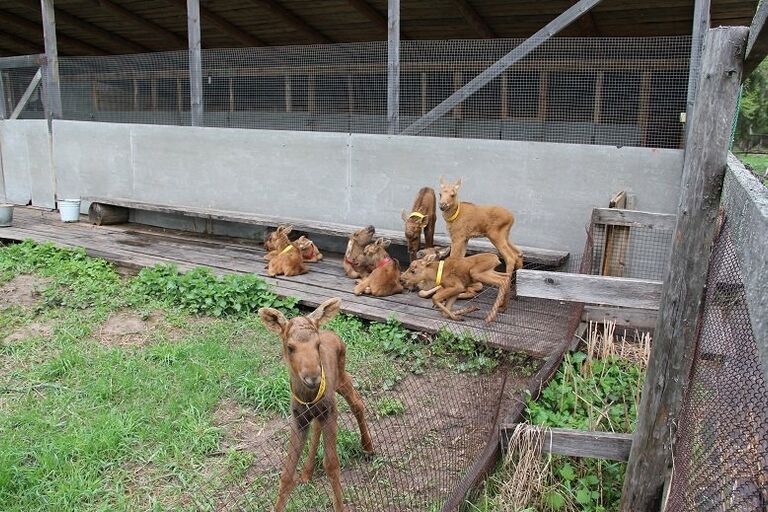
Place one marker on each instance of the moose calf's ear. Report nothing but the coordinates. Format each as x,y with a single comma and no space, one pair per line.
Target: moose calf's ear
403,216
458,184
273,319
325,311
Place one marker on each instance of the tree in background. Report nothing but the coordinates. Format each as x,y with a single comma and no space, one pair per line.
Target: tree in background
753,111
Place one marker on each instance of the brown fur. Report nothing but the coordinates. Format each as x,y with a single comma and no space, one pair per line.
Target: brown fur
309,251
442,253
305,349
459,275
289,263
425,205
357,242
493,222
384,279
276,241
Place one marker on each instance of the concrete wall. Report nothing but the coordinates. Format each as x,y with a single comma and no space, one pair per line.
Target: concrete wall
25,154
358,179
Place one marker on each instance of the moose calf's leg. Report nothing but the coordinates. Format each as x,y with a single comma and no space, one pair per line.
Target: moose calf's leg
458,247
287,477
443,295
331,460
350,394
309,464
361,287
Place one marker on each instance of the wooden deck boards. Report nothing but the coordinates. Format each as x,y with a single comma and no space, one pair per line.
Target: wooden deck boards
533,326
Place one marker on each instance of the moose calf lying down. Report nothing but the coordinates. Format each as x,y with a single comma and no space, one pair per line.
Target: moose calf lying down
384,279
315,362
357,242
455,276
309,251
442,253
278,240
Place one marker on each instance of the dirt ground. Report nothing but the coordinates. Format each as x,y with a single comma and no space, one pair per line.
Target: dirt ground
23,290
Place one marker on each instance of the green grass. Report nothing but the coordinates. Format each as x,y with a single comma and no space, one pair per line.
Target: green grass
88,426
758,163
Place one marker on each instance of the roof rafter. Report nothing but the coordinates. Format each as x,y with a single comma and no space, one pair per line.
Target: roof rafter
587,23
757,46
64,18
375,16
7,40
474,19
121,12
293,20
223,25
27,26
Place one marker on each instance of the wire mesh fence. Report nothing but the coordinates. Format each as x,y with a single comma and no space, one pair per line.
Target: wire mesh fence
617,91
721,452
638,252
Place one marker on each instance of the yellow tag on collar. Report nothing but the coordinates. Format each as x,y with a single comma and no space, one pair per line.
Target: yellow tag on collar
455,215
287,249
418,215
320,391
439,277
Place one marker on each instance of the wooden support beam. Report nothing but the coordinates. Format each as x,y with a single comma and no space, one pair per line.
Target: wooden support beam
34,30
679,313
481,80
27,94
622,317
608,291
195,62
67,19
587,24
169,37
51,80
22,61
701,22
293,20
224,26
474,19
3,109
757,47
634,219
393,66
364,8
579,443
19,44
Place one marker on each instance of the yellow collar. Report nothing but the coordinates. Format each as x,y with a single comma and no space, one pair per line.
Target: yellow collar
455,215
320,390
287,249
439,277
418,215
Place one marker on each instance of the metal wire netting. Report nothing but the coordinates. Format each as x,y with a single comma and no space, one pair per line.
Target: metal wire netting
635,252
617,91
721,452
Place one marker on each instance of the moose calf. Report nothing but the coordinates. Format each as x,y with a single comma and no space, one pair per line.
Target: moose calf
422,217
441,253
357,242
455,276
468,220
384,279
287,262
315,362
309,251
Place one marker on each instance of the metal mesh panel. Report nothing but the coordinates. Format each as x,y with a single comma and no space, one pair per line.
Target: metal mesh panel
721,453
617,91
635,252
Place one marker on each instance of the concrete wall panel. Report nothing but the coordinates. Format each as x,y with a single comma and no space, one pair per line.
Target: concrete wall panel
27,167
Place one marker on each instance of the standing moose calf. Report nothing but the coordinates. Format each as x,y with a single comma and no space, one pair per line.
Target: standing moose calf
422,217
468,220
315,362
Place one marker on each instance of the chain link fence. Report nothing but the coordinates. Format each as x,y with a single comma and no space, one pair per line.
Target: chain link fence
721,451
615,91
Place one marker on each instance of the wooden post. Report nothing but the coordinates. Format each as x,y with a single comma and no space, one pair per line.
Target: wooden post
179,99
504,95
458,77
3,108
701,22
195,62
423,93
231,96
135,95
153,94
51,88
311,93
644,107
393,66
679,313
350,95
597,110
543,95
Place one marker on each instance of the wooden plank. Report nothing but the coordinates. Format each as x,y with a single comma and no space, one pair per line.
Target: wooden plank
474,19
609,291
22,61
622,317
51,81
634,219
580,443
393,66
616,239
526,47
3,108
27,94
679,313
757,46
195,62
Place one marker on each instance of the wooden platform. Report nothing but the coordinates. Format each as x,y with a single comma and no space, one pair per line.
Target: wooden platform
533,326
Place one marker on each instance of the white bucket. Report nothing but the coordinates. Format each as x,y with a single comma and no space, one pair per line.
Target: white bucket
69,209
6,215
